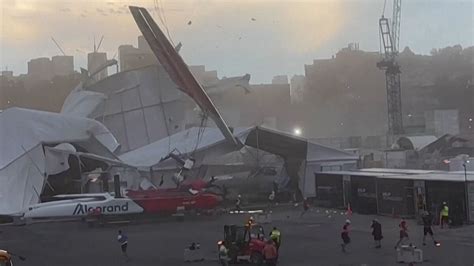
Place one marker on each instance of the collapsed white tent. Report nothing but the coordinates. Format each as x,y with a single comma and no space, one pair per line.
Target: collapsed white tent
192,140
22,159
302,158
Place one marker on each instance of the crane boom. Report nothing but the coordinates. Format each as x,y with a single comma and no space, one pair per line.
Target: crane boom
57,45
397,8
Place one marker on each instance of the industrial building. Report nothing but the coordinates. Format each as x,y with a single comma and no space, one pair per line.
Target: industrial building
398,192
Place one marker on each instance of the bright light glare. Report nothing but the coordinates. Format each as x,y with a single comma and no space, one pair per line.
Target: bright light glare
297,131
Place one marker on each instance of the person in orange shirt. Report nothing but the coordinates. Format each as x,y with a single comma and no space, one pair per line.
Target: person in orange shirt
270,253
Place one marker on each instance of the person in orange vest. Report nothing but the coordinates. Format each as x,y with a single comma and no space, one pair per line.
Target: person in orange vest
270,253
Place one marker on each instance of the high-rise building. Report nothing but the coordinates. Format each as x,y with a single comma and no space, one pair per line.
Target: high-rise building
95,61
133,58
39,69
143,45
297,88
62,65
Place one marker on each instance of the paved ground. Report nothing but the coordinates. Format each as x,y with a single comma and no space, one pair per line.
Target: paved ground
311,240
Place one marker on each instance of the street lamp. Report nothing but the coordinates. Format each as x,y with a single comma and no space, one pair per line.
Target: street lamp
297,131
465,188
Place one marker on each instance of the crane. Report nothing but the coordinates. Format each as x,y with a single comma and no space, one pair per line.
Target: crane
57,45
390,36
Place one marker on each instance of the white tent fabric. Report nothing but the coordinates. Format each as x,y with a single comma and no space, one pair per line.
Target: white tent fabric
318,152
22,161
22,129
22,181
57,159
82,103
185,142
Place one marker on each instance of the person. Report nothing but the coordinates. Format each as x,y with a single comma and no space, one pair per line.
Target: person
377,233
345,235
271,199
250,222
123,240
238,202
403,232
270,253
427,222
223,255
444,215
305,207
275,235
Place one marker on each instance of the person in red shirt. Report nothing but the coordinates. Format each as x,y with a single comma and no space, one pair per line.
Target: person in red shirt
345,235
305,207
270,253
403,232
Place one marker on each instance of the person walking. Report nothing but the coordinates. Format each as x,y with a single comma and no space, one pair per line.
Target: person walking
123,240
444,215
403,233
346,240
275,235
271,199
305,207
427,222
377,233
270,253
223,255
238,202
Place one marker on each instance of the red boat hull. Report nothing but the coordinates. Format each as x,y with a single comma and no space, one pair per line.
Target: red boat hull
172,200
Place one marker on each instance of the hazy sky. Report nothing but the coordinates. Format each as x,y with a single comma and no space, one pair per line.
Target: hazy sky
263,38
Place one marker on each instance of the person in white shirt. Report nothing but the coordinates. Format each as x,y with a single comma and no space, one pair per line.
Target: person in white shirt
123,240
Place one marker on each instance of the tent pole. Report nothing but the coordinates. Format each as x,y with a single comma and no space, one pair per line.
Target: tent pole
80,171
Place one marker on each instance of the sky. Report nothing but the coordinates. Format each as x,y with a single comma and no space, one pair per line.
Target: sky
263,37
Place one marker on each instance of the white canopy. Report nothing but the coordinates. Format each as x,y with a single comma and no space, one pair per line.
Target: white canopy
22,158
187,141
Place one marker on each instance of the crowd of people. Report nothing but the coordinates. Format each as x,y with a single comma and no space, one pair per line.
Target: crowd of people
270,251
376,226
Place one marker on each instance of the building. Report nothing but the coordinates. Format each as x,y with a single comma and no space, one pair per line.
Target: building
95,61
143,45
134,58
441,122
7,74
40,69
202,75
280,79
131,57
297,84
62,65
398,192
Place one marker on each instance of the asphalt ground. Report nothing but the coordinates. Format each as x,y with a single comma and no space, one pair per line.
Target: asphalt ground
313,239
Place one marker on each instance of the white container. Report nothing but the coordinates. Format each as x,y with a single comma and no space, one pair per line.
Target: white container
409,254
193,255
